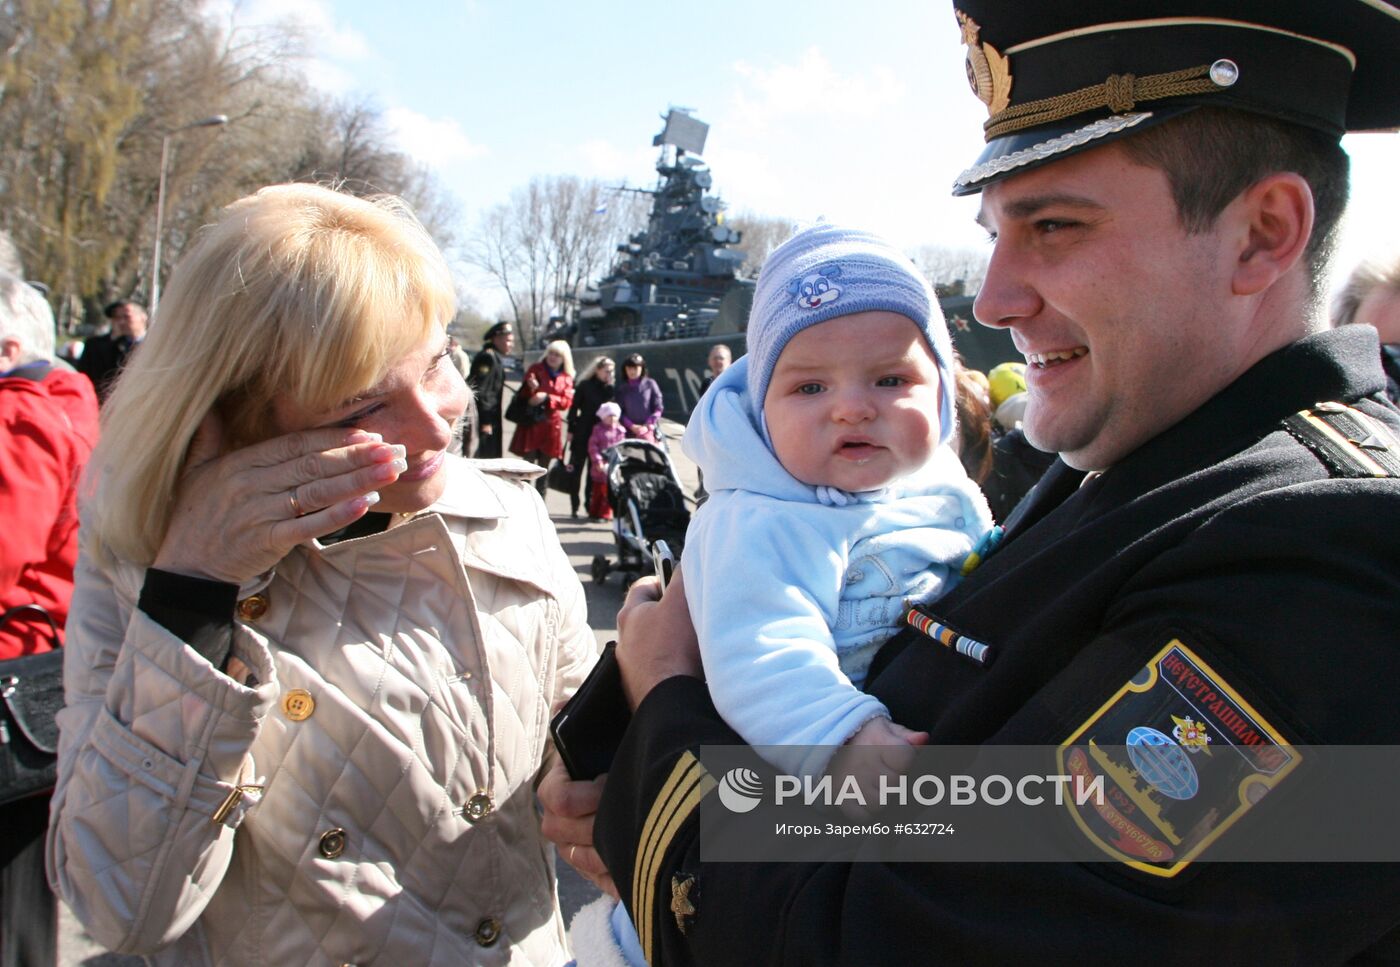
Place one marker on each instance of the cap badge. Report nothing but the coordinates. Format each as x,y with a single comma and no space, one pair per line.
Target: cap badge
816,290
988,71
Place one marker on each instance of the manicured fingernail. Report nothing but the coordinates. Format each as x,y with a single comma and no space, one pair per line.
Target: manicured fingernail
371,498
401,452
359,436
388,471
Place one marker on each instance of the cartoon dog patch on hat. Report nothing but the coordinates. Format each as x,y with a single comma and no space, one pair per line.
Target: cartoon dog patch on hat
816,290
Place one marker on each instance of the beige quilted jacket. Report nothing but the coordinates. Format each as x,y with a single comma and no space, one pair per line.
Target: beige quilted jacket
406,684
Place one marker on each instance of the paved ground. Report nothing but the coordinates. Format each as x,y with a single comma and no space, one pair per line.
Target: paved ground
582,541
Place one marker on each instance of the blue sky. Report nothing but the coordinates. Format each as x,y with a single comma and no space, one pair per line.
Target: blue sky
816,108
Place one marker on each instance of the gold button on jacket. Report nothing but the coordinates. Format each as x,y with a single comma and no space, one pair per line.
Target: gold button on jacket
332,843
488,931
253,607
298,704
478,807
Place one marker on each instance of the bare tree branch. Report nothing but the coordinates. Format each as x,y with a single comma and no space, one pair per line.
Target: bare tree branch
547,243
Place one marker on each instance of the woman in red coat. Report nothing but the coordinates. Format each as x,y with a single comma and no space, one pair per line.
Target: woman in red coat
549,381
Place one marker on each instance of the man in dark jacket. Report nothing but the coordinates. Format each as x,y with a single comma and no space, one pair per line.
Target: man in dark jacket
1209,545
719,359
104,355
488,381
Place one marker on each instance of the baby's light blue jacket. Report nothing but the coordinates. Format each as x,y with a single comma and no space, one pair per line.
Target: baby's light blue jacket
793,588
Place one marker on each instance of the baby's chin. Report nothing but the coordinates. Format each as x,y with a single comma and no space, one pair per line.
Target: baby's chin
876,479
856,484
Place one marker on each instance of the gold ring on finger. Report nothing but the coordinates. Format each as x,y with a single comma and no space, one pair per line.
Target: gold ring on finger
296,504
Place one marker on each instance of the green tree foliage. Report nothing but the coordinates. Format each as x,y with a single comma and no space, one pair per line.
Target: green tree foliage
67,96
89,90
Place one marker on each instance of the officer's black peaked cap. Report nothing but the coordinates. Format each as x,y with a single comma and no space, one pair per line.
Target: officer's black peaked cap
1060,76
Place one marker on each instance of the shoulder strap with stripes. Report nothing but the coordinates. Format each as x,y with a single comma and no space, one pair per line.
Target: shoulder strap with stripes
1349,442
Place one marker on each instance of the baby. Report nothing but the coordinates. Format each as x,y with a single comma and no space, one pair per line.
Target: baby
835,495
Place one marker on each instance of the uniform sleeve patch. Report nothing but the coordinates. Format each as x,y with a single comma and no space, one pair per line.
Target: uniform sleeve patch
1182,756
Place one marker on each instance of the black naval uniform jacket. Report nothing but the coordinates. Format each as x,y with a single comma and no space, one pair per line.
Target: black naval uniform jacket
1227,533
102,359
488,381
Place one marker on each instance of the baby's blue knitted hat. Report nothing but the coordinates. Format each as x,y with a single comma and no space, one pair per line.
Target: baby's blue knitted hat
828,271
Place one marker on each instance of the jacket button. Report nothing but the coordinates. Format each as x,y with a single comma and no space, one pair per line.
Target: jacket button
478,807
253,607
298,704
488,931
332,843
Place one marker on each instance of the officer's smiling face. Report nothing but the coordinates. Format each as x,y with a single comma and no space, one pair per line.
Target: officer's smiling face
1116,308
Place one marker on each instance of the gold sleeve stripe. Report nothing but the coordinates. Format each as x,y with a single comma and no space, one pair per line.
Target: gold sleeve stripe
679,795
703,784
686,764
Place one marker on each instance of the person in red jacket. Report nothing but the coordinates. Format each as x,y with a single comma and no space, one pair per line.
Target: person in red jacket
549,382
48,425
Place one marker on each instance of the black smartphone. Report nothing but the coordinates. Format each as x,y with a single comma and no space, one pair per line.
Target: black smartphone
589,728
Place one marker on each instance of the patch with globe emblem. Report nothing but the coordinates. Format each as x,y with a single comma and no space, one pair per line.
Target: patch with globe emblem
1182,756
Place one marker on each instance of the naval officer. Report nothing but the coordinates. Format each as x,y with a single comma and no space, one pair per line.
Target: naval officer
1162,180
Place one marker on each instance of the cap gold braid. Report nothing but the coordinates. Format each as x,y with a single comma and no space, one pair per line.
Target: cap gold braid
1120,93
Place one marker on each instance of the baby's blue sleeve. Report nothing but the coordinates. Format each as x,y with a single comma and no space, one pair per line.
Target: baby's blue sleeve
763,585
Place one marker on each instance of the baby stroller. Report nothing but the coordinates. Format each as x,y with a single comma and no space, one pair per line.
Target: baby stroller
648,505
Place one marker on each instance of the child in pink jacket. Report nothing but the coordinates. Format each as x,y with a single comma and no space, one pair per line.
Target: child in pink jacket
608,432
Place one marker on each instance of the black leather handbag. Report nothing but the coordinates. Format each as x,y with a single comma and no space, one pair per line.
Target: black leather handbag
522,412
562,477
31,693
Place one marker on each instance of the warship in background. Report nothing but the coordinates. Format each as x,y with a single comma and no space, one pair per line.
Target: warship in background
676,290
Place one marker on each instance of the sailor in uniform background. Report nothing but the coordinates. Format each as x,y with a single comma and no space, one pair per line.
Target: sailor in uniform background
487,378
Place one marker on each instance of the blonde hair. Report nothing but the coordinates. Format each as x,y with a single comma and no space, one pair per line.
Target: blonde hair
298,292
562,348
591,370
1371,274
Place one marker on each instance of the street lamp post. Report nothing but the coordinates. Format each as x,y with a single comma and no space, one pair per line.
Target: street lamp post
212,121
